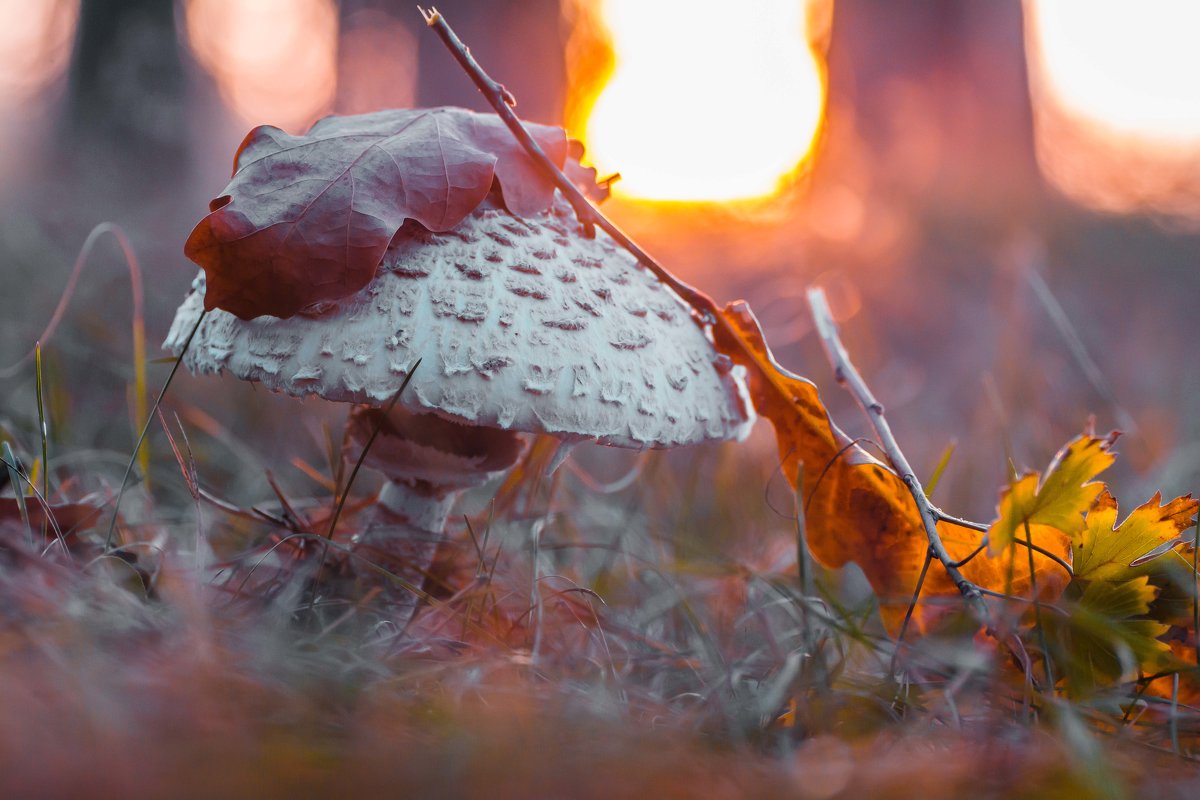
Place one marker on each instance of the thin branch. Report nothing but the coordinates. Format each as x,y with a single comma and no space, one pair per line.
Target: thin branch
969,557
847,374
912,607
942,516
502,101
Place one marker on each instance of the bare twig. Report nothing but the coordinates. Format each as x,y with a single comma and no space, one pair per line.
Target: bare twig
502,101
969,557
846,374
942,516
912,606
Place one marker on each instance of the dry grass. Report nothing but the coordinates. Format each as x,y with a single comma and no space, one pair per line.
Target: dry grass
643,639
630,626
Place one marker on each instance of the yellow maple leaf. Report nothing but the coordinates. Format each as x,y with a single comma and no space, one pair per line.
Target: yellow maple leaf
1102,550
1059,498
1112,637
1106,637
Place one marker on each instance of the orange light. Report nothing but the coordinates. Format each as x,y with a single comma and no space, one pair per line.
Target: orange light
704,100
274,61
35,45
1116,116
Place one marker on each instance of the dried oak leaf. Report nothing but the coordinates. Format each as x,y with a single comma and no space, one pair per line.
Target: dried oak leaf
859,510
1102,550
307,219
1058,498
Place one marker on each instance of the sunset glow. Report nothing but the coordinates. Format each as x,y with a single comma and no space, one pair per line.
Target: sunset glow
274,61
1115,100
706,101
35,45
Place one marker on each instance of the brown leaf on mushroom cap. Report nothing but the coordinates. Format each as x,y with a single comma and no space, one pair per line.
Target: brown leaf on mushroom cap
307,219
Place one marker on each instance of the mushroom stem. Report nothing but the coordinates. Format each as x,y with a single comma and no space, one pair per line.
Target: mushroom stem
428,461
401,537
418,508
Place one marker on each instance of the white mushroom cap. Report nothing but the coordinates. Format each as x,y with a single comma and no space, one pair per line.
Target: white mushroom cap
520,323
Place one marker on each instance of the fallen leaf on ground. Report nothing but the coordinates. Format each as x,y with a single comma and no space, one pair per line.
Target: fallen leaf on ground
68,516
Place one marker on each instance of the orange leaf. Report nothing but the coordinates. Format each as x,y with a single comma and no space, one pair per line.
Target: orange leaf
857,509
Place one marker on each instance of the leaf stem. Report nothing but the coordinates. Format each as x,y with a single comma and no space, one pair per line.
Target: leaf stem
1196,591
1037,612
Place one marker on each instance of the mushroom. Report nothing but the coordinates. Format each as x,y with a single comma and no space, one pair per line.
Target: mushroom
521,325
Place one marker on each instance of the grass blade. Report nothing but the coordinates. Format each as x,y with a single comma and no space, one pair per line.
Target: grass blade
112,524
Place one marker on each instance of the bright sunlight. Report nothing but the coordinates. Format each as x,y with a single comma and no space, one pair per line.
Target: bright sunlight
707,101
1114,90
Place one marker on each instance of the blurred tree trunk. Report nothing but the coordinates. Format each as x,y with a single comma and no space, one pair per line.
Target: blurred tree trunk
936,90
126,87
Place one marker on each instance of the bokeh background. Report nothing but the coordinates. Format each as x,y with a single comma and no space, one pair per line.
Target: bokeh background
1002,198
